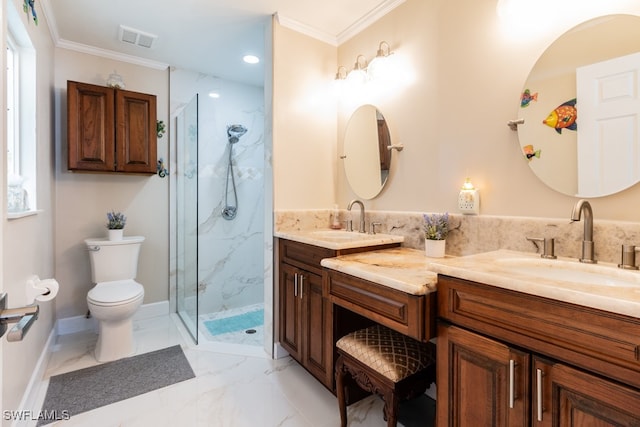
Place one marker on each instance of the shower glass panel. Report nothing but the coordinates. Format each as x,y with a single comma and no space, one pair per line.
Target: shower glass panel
187,216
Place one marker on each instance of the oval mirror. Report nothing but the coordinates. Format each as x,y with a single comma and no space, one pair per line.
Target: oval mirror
367,160
581,112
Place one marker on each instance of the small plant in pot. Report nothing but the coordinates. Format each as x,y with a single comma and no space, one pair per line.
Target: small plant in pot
115,224
436,228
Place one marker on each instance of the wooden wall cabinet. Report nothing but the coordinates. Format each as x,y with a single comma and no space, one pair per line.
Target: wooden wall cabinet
110,130
511,359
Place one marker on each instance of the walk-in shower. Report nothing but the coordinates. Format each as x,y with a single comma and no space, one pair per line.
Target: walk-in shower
222,250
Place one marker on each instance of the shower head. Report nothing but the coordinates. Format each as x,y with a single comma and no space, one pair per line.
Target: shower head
234,132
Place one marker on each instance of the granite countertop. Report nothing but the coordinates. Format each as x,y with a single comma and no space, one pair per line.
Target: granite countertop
602,286
403,269
338,239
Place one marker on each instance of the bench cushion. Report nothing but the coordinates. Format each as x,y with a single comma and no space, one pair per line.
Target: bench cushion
392,354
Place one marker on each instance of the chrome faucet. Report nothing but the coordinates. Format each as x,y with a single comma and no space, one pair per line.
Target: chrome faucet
358,202
587,239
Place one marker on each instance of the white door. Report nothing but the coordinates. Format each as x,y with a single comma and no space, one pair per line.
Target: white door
608,95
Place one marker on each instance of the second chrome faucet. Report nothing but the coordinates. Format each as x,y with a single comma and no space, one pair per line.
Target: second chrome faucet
582,205
361,229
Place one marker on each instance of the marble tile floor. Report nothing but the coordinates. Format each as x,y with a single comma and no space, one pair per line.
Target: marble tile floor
229,390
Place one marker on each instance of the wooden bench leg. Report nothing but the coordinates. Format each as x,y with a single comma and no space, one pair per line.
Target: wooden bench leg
391,408
340,391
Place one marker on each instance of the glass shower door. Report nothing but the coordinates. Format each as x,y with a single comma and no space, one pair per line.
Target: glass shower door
187,216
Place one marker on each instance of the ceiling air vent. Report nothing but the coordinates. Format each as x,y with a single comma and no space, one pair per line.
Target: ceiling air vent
136,37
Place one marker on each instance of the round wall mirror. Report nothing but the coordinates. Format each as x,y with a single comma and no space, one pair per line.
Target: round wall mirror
367,160
581,109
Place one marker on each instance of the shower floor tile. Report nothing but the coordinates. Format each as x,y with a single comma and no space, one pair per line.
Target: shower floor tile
231,326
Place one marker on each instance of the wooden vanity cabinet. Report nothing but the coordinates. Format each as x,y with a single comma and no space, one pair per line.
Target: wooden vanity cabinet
411,315
511,359
306,313
110,130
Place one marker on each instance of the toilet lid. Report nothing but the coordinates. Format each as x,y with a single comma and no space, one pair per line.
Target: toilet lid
116,292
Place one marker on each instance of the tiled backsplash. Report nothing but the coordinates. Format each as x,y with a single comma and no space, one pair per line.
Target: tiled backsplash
473,234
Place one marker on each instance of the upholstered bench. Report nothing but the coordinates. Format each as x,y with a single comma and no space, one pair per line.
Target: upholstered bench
384,362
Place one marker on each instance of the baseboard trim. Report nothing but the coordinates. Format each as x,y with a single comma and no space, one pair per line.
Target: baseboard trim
30,396
71,325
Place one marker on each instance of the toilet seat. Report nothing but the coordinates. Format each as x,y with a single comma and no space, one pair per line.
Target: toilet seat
117,292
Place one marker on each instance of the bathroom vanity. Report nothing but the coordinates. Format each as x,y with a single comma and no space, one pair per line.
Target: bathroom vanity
306,319
511,357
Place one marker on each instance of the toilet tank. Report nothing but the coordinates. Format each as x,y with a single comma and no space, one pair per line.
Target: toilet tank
114,259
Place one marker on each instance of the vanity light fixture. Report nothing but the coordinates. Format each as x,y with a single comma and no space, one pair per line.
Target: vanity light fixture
358,74
378,64
341,74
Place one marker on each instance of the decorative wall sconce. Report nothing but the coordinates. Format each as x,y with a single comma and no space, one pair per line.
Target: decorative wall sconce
358,74
363,72
378,64
469,199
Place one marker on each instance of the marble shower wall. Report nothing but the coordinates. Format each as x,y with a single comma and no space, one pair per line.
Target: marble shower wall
473,234
230,252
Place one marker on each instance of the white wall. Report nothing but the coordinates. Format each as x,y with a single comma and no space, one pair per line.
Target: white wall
83,199
304,121
466,72
27,243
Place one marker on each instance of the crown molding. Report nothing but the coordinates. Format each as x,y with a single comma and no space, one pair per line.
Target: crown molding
335,40
92,50
306,29
378,12
110,54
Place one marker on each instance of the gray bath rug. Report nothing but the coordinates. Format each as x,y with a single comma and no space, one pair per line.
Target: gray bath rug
86,389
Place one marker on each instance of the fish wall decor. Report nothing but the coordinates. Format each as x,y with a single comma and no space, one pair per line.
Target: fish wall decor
563,117
530,152
527,97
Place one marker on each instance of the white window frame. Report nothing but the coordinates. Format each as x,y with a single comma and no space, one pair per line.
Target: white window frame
21,132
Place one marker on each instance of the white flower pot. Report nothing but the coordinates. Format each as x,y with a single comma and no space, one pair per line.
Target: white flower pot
434,248
116,234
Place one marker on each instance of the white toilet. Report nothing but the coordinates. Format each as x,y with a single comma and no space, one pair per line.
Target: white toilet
116,295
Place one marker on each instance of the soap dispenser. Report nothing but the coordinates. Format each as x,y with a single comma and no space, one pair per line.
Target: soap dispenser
335,218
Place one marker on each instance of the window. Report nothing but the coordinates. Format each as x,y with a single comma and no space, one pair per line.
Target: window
21,119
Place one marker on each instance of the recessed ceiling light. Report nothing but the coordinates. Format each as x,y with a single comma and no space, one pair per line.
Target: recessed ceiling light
214,94
251,59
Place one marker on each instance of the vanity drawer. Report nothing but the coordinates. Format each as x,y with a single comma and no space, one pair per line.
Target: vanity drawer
304,255
397,310
602,342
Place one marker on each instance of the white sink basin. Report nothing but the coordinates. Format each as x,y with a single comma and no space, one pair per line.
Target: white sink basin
571,271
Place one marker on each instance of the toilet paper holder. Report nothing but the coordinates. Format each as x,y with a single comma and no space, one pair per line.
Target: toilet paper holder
23,317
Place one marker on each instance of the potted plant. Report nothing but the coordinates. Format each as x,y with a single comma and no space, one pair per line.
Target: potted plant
115,224
436,228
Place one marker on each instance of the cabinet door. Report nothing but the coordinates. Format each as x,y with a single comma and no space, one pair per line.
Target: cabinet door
481,382
290,312
136,136
317,328
564,396
90,131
